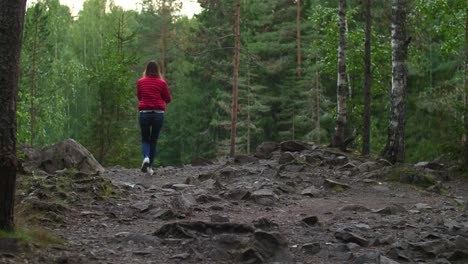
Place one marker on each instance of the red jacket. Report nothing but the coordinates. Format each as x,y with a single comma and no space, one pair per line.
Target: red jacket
153,93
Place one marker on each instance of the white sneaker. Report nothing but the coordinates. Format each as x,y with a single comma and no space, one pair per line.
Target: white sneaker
150,171
144,166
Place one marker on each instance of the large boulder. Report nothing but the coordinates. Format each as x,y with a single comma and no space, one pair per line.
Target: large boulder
67,154
266,149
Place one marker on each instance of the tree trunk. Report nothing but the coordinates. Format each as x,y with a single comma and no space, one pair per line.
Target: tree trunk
298,35
317,108
249,100
33,83
235,80
367,82
394,151
11,30
465,124
338,139
163,38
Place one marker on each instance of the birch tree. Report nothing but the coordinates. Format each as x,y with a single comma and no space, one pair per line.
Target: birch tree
338,138
11,31
394,150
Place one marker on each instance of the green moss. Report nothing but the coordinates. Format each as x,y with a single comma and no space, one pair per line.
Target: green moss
38,236
338,188
409,175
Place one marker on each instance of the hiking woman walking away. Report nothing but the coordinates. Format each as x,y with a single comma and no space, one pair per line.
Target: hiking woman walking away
153,94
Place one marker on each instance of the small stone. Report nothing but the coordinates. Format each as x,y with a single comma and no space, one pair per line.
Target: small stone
311,248
310,220
338,186
181,186
351,237
122,234
264,197
420,206
181,256
390,210
312,191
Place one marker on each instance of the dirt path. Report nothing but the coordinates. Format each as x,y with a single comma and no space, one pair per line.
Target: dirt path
264,211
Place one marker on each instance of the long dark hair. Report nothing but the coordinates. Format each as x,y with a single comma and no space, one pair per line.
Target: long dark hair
152,70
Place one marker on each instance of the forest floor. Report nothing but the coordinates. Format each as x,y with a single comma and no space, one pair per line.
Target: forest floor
305,205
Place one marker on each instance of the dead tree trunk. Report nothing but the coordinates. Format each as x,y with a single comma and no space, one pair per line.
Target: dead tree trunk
235,80
338,139
11,30
394,150
367,82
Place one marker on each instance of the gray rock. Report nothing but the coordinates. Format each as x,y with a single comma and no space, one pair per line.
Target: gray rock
311,248
264,197
237,194
212,184
286,157
205,198
311,220
181,256
335,185
265,150
167,214
182,203
68,154
181,186
143,206
313,158
420,206
251,256
351,237
368,166
431,248
367,258
459,255
272,247
390,210
192,229
461,243
293,146
312,191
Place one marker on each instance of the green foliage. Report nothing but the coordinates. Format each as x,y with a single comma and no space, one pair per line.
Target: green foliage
84,70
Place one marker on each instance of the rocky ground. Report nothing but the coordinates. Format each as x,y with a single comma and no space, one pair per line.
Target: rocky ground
290,203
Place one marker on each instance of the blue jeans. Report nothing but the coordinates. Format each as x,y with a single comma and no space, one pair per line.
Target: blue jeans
150,125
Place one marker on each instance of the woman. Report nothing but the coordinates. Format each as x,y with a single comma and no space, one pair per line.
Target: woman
153,94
